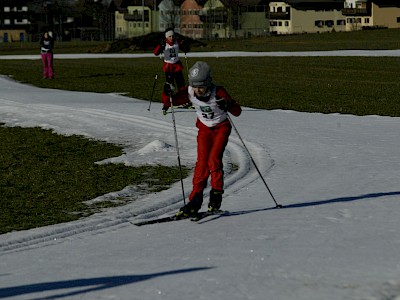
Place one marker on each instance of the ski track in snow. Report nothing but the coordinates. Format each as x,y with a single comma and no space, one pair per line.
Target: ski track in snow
150,206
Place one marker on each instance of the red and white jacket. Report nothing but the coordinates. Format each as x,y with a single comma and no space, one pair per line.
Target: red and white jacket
208,112
170,52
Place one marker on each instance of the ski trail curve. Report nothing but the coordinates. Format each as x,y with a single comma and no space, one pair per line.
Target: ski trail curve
239,171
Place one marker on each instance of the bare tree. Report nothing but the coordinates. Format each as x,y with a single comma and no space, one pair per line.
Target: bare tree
169,14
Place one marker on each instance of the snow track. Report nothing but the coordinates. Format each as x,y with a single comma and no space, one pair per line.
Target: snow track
123,128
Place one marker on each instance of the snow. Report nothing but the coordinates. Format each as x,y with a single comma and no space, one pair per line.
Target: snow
393,53
336,237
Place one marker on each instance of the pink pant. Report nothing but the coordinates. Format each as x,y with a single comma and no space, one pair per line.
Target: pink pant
47,59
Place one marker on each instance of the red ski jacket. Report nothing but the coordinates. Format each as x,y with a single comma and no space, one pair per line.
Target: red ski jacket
171,59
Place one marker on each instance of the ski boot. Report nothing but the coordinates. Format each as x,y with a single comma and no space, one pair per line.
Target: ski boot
215,200
165,110
187,105
191,209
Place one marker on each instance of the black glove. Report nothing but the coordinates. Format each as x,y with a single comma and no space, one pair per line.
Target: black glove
222,104
163,43
168,89
185,47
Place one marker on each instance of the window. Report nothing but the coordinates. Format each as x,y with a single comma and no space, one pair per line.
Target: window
329,23
287,23
319,23
6,9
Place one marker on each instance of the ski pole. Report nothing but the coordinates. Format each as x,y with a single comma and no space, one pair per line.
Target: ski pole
152,92
177,148
254,163
187,67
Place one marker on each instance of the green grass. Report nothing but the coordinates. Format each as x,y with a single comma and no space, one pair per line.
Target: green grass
24,48
41,181
348,85
45,177
367,40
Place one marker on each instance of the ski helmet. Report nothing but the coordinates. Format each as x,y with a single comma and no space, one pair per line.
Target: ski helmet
200,74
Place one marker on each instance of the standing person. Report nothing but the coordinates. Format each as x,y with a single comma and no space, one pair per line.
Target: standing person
46,50
173,67
212,103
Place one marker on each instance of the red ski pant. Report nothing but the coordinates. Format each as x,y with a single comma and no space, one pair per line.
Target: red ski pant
211,143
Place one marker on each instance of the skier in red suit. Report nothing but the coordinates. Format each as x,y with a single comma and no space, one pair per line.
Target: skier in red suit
212,104
172,67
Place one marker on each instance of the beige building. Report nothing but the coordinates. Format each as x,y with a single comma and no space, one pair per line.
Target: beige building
362,14
385,15
134,18
224,19
295,17
135,22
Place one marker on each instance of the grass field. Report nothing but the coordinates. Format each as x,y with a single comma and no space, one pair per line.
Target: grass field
367,40
45,177
349,85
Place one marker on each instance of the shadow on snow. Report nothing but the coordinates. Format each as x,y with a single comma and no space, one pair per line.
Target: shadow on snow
88,285
306,204
343,199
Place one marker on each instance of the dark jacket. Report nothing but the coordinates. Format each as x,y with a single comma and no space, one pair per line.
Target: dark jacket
46,44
